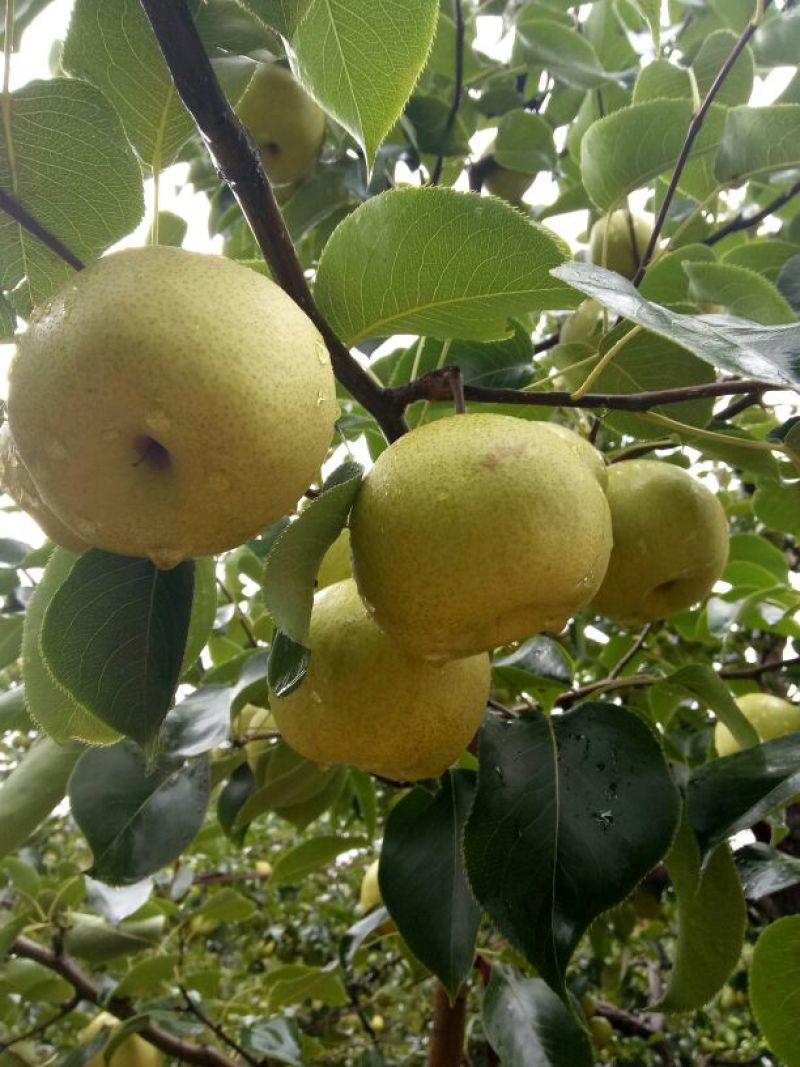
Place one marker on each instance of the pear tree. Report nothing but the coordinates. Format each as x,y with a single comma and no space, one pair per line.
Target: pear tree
399,571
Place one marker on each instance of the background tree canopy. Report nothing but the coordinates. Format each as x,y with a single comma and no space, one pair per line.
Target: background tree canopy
593,225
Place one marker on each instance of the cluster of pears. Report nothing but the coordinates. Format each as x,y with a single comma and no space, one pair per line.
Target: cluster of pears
470,533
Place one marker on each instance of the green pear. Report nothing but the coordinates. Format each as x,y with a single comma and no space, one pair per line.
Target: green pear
370,895
618,241
769,715
670,542
583,326
286,124
335,566
16,481
169,404
367,702
509,185
478,530
134,1051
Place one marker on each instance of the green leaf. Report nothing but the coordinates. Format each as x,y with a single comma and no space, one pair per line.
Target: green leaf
32,789
294,558
113,46
527,1024
90,938
436,262
731,794
705,684
113,636
738,83
524,142
631,147
65,158
777,504
758,140
278,1039
204,610
311,855
667,281
753,548
738,346
287,782
24,12
227,906
775,987
13,711
777,40
651,11
49,703
662,80
10,638
764,870
423,882
565,54
569,815
287,664
136,822
296,982
743,292
283,15
148,977
712,918
764,255
361,58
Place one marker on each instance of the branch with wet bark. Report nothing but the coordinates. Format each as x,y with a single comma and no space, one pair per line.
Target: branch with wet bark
239,163
87,989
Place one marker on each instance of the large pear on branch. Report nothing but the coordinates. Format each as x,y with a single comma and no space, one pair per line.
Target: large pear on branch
618,241
769,715
286,124
478,530
367,702
134,1051
169,404
670,542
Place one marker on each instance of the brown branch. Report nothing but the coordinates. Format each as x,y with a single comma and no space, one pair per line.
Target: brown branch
435,386
238,162
217,1030
695,126
746,222
633,1026
17,212
758,669
87,989
458,87
449,1028
635,648
230,877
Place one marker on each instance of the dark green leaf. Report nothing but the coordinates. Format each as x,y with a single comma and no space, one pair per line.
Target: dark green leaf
279,1039
764,870
759,140
570,814
114,635
287,665
528,1026
704,683
567,55
136,822
423,882
311,855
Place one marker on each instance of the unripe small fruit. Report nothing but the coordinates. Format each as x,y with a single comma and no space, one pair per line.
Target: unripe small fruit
771,716
601,1031
509,185
619,241
370,896
133,1052
583,325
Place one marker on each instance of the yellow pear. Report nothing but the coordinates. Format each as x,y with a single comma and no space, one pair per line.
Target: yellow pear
670,542
133,1052
618,242
509,185
18,484
335,566
286,124
478,530
370,896
367,702
769,715
170,404
582,450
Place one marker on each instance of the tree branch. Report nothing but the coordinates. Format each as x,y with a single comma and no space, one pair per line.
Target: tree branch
17,212
458,87
239,163
746,222
87,989
218,1031
695,126
449,1028
435,386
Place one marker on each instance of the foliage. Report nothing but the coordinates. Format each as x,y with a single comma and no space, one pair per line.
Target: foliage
163,853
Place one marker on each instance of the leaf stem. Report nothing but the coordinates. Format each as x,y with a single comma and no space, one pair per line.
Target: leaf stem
709,435
607,359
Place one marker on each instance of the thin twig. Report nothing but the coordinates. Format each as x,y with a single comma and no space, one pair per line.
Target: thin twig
17,212
217,1030
635,648
458,88
695,126
238,162
547,342
87,989
746,222
38,1031
228,878
758,669
630,1024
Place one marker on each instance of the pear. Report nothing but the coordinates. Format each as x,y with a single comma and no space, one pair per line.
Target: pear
670,542
370,895
133,1052
18,484
286,124
583,325
769,715
367,702
169,404
618,242
335,566
508,185
478,530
